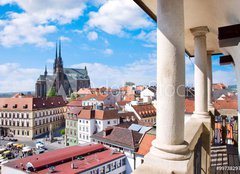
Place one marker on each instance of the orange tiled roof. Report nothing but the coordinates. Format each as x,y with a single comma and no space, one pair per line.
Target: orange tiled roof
145,144
189,105
226,104
106,114
99,97
218,86
31,103
129,98
147,110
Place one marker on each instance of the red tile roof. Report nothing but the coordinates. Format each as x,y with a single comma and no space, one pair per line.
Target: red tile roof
189,106
106,114
94,155
98,114
145,144
226,104
31,103
87,114
76,103
99,97
146,110
129,98
120,136
122,103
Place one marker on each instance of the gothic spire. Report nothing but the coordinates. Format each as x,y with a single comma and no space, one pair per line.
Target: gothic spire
45,72
56,51
60,48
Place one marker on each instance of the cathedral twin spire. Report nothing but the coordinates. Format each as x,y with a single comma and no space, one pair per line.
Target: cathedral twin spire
58,58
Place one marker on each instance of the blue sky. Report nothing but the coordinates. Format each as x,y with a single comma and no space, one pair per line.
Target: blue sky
115,39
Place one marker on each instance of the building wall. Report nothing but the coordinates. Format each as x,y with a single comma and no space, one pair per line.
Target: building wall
139,159
86,128
116,166
9,170
29,124
71,132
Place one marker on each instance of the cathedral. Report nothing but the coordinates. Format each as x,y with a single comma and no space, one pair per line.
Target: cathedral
64,80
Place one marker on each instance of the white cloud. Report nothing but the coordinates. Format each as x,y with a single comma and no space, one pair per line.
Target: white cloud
117,16
50,61
108,51
15,78
63,38
225,77
36,22
150,37
141,72
92,36
98,2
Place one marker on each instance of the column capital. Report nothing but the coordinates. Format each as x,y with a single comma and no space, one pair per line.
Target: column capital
199,31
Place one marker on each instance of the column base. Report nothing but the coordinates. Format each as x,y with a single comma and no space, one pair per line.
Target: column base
170,152
200,115
155,164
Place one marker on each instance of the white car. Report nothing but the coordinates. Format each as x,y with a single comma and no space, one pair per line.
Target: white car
39,145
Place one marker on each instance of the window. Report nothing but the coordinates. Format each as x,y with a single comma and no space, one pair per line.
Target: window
142,160
123,162
22,132
108,168
108,122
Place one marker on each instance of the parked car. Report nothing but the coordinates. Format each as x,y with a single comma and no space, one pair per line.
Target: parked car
13,139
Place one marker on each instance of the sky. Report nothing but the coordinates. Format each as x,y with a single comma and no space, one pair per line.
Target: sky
115,39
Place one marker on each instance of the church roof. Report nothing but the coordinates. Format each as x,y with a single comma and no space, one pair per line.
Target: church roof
76,74
70,74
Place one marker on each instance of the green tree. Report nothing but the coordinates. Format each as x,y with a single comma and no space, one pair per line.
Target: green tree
129,83
62,132
51,92
73,96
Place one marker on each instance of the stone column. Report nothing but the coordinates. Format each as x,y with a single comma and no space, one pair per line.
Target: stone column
200,74
169,145
209,79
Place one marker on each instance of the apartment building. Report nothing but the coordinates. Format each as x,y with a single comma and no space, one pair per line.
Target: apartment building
29,117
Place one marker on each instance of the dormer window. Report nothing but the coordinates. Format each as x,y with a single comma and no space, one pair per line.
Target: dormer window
15,106
5,106
25,106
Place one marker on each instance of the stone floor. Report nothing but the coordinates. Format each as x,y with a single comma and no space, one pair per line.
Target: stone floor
224,160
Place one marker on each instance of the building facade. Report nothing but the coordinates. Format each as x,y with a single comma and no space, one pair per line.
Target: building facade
91,159
29,117
64,80
93,121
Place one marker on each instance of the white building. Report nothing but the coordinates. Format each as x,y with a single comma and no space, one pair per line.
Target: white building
125,140
98,100
93,121
148,94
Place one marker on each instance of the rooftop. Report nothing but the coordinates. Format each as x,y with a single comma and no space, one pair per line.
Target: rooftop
119,136
146,110
99,97
94,155
28,103
145,144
